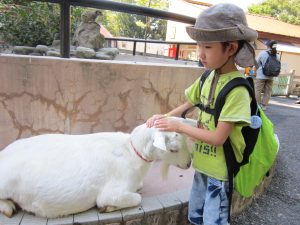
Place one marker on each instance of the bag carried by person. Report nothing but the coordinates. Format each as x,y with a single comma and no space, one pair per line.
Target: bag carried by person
272,66
261,143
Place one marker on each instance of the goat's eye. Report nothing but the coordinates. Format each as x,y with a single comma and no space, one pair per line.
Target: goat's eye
173,150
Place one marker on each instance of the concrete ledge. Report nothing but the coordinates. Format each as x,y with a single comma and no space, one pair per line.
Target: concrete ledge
164,209
158,210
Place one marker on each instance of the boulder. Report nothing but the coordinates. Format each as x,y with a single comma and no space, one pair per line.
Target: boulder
53,53
23,50
88,33
86,53
42,49
103,56
109,51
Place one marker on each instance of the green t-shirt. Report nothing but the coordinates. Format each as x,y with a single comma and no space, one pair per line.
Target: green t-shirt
209,159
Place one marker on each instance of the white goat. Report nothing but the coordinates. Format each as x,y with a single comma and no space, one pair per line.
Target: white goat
56,174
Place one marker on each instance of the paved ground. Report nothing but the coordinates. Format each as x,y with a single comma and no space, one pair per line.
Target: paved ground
177,179
280,205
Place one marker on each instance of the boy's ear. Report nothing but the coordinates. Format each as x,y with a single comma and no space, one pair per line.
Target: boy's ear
233,47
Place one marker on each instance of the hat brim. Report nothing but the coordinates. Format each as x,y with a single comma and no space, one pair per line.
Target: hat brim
245,57
222,35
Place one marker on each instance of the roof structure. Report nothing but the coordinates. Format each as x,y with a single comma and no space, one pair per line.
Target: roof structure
105,32
195,2
270,28
267,27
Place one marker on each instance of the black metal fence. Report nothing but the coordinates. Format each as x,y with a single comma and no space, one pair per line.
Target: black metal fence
135,40
113,6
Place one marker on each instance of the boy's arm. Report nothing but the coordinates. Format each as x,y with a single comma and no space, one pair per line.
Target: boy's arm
235,110
175,112
216,138
180,109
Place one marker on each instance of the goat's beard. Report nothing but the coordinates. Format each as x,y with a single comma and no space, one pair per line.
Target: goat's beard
164,170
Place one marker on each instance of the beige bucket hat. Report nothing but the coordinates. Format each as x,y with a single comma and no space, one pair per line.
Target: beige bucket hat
222,23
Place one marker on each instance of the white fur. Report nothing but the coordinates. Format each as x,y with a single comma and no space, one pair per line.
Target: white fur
55,174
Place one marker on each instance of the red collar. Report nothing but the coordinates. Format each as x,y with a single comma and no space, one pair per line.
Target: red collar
139,155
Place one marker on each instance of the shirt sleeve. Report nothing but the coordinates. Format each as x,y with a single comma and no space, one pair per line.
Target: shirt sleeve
258,59
192,93
237,107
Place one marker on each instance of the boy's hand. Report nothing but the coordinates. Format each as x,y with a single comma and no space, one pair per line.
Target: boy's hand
151,121
168,124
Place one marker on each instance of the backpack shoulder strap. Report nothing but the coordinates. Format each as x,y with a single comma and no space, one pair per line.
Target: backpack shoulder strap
231,163
203,77
250,135
238,81
206,109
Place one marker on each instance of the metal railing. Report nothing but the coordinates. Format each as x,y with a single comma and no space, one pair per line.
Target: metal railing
135,41
113,6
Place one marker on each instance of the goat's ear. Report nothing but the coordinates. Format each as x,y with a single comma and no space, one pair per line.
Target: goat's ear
159,140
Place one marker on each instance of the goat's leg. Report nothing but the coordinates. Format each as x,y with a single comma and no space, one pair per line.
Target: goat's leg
140,186
111,199
7,207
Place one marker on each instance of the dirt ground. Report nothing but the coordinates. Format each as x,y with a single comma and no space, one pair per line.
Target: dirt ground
280,204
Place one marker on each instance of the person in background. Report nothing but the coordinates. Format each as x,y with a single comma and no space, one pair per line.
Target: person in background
263,83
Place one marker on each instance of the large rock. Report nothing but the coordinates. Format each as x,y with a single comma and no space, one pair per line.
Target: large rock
88,33
110,51
86,53
23,50
107,53
53,53
42,49
103,56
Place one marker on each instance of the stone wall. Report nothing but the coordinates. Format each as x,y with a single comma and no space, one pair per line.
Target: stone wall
54,95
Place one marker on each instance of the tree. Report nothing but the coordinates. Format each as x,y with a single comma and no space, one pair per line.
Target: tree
28,23
284,10
137,26
25,22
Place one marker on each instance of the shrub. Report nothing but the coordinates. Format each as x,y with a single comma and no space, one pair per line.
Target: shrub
32,23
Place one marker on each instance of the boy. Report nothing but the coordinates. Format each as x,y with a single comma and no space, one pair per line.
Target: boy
223,38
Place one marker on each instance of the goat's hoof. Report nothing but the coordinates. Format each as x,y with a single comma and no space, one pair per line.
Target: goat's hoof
12,205
8,213
7,207
105,209
102,209
111,208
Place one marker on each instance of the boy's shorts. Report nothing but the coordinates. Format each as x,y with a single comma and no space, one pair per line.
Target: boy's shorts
208,204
